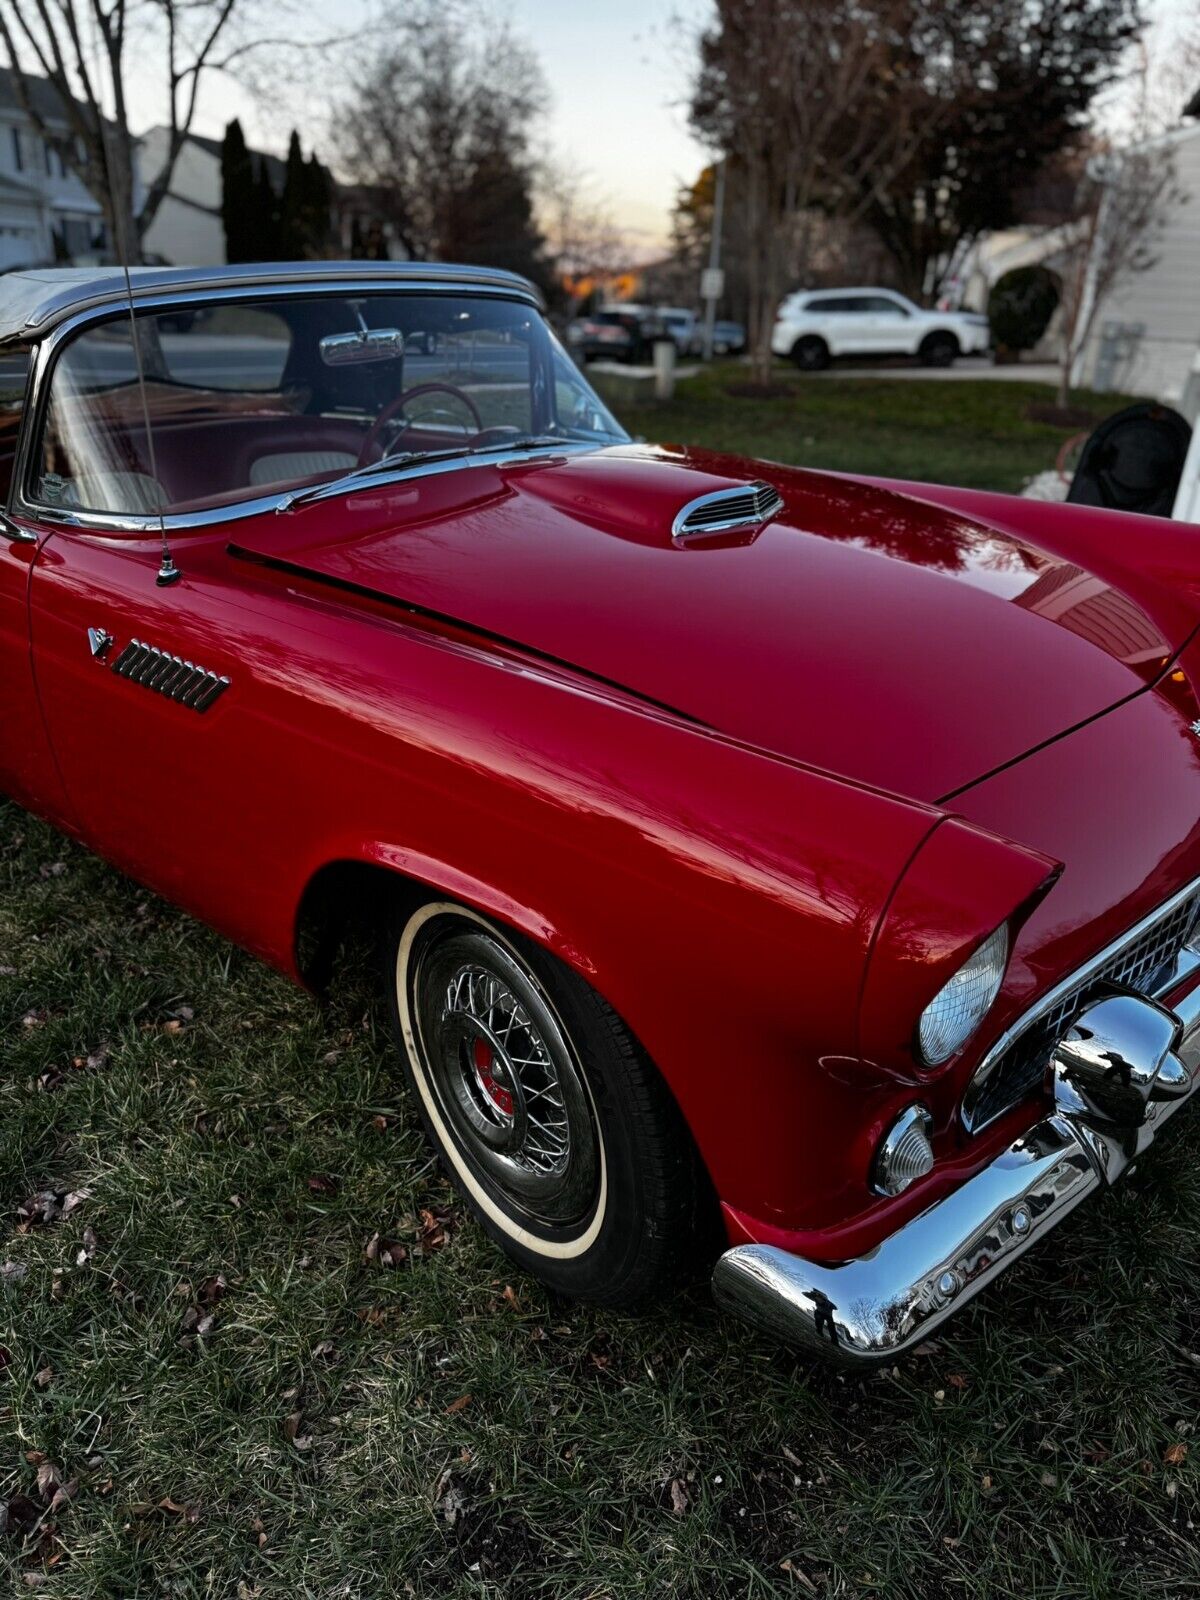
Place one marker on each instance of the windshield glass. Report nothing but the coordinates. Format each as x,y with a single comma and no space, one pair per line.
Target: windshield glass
247,398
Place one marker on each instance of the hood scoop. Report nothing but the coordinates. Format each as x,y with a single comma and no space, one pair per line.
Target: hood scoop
747,506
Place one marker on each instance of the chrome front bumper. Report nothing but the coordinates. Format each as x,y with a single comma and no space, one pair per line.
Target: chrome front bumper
1120,1070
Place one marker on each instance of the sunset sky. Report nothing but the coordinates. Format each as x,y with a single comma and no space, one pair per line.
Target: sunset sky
618,76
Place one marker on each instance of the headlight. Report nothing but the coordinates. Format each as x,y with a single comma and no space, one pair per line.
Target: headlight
954,1013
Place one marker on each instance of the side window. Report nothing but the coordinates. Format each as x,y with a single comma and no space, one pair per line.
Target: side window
14,375
884,306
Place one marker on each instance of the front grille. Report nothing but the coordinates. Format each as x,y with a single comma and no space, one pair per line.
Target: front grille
1143,966
728,508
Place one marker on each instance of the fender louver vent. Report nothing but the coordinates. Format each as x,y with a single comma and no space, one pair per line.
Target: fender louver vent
748,507
170,675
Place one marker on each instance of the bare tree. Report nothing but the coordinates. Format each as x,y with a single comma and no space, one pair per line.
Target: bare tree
815,102
82,48
1123,203
451,82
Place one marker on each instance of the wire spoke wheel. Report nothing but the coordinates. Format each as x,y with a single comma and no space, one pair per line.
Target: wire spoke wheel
505,1076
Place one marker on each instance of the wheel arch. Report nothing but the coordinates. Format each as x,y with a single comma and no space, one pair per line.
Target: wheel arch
355,888
940,332
359,891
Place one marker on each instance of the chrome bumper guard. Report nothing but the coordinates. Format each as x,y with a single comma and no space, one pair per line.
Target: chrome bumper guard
1121,1069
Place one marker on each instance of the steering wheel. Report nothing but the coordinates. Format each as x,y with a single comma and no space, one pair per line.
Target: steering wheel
395,408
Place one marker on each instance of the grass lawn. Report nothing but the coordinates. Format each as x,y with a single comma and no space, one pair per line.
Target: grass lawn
213,1386
973,432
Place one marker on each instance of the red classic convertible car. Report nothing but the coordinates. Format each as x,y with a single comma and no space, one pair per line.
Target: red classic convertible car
816,854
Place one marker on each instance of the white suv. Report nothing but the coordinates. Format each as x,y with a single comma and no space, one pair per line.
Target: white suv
815,325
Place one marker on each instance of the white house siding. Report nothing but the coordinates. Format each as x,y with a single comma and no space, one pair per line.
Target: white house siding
46,214
1147,331
187,228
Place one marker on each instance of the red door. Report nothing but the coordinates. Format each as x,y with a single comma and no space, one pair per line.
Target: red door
27,770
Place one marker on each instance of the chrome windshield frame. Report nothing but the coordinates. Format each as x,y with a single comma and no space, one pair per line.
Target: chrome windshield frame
45,355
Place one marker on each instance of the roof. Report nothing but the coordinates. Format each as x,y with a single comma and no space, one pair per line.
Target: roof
35,301
43,96
275,165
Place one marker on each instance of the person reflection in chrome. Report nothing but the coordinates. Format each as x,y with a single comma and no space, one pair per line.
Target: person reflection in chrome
823,1309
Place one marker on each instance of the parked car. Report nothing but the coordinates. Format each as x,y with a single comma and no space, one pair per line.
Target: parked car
813,854
815,327
684,328
729,338
620,333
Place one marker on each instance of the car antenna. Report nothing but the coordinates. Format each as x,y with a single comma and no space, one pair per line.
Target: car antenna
168,573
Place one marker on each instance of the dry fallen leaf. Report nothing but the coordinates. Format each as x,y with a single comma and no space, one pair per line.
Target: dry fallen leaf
64,1494
679,1496
801,1578
459,1404
44,1378
291,1424
387,1252
323,1183
1175,1453
188,1513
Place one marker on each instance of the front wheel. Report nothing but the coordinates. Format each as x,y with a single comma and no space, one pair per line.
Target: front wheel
561,1136
810,353
939,350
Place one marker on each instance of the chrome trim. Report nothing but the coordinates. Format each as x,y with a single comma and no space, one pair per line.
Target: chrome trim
14,532
1187,961
200,284
1122,1068
424,469
46,349
172,676
773,505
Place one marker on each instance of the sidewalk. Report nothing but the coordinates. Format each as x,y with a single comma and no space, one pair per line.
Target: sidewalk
977,367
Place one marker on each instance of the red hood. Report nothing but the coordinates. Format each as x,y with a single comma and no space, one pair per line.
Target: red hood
864,631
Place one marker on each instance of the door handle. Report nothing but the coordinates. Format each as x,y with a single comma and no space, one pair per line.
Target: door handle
14,532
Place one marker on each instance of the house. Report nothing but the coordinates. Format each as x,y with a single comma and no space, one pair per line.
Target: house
187,228
1146,334
46,213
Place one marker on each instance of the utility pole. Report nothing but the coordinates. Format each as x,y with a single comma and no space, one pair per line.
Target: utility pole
712,279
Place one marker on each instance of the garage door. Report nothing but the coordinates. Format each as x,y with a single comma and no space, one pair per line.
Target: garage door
18,245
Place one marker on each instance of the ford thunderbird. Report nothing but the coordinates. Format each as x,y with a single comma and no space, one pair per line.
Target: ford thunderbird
798,861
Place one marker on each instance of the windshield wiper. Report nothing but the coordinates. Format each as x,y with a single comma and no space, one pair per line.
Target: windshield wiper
407,458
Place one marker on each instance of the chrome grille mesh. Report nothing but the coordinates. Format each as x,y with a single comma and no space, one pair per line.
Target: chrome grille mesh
729,508
170,675
1143,966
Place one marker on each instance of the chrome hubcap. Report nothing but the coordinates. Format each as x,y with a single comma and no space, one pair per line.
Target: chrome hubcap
505,1076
